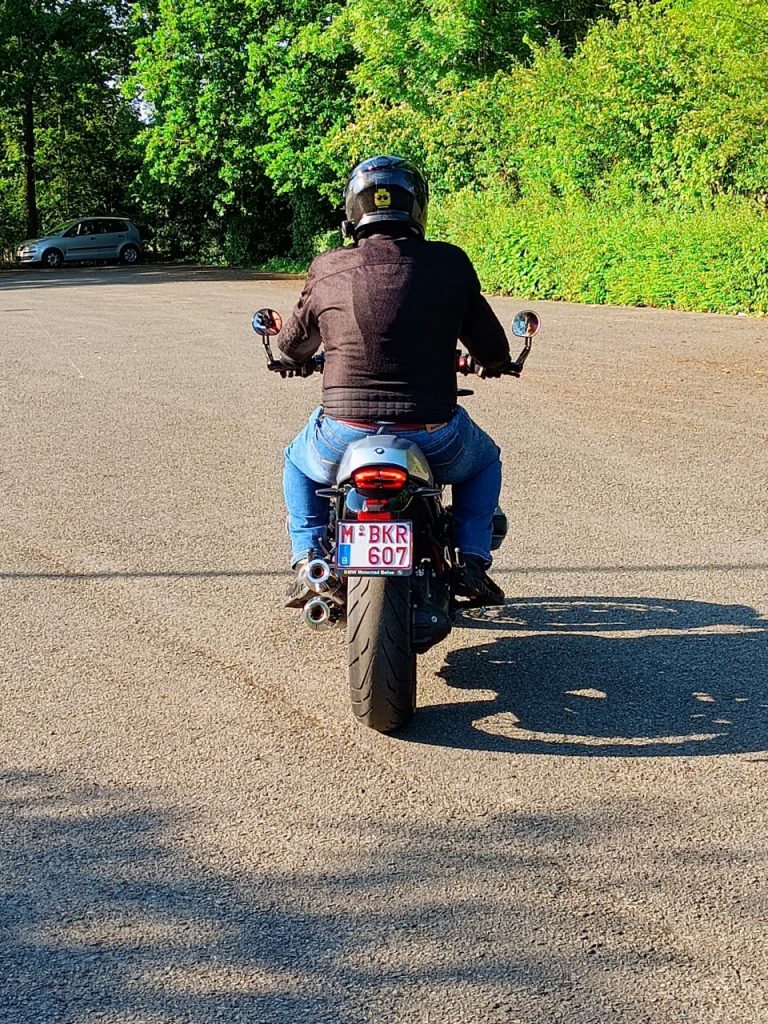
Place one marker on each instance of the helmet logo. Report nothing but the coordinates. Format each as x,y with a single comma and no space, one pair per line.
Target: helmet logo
382,198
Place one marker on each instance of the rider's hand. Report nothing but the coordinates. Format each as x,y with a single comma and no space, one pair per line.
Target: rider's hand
285,371
498,371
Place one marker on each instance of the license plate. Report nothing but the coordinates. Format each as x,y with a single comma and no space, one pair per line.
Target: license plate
374,549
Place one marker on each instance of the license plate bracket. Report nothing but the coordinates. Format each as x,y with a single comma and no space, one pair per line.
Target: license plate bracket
374,549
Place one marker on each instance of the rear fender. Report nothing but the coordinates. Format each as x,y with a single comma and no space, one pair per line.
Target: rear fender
385,450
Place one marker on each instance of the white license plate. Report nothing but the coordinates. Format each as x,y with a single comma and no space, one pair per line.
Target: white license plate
374,549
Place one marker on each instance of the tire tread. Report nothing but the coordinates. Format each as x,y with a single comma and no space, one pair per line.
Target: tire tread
382,677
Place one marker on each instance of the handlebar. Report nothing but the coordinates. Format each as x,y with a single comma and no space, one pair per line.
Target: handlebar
268,322
315,364
466,365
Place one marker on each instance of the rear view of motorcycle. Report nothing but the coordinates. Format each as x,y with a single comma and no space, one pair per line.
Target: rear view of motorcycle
386,568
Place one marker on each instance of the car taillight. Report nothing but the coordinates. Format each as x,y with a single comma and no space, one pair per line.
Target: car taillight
379,478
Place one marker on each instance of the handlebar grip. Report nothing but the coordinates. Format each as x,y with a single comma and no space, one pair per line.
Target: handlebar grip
465,363
314,364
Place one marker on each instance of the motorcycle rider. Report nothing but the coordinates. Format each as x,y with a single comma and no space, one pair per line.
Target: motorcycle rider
388,311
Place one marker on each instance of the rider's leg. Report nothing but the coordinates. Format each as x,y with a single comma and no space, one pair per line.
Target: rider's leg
307,514
311,461
303,473
463,455
466,457
475,500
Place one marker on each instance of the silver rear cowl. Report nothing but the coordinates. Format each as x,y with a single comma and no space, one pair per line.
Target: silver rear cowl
385,450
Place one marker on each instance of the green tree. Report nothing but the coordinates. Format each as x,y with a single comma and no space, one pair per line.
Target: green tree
375,77
669,104
200,71
59,60
259,98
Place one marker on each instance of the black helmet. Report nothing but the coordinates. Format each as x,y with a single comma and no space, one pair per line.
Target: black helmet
385,188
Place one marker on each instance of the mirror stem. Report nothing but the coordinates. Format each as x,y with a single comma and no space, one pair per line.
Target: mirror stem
520,361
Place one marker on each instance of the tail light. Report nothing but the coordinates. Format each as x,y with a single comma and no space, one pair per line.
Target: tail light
379,478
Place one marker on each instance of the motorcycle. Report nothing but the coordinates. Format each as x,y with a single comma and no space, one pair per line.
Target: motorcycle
388,559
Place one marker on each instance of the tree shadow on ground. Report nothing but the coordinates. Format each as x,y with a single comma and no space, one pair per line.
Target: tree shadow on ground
111,911
608,677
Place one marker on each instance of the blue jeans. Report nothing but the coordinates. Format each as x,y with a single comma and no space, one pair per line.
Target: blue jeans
460,454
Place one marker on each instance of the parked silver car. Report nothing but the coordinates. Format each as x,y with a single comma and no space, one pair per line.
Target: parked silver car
89,238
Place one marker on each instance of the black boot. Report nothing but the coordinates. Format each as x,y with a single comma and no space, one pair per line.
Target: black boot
472,580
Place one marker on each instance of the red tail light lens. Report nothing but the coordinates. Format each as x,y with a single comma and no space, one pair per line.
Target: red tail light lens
379,478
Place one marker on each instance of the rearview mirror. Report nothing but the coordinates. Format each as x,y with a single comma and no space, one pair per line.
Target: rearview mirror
267,322
526,324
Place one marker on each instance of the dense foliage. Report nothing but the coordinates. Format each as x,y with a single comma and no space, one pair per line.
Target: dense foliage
634,170
68,135
583,149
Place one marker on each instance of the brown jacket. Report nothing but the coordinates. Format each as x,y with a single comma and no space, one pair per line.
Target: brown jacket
389,312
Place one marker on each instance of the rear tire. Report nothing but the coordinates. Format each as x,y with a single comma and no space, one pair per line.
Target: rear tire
129,255
382,662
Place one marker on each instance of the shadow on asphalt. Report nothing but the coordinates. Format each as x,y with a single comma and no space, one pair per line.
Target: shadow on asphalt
148,273
607,677
140,574
173,574
561,570
113,911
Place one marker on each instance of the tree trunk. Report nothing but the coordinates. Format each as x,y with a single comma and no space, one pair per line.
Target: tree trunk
28,118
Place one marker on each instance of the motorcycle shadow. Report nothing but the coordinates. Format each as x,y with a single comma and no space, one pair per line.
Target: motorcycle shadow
607,677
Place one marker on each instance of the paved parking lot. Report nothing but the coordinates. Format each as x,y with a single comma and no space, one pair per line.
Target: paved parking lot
192,828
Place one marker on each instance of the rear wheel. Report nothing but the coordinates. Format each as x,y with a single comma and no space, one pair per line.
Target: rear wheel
129,255
382,662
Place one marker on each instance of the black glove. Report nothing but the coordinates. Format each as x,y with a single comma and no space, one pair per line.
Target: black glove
302,370
306,369
499,371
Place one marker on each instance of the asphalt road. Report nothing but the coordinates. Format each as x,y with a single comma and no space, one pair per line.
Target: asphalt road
192,829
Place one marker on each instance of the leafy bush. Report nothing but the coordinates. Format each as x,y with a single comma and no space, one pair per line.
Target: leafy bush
710,259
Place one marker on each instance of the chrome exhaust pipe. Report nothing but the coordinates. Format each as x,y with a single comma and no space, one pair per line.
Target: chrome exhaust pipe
317,574
319,615
323,580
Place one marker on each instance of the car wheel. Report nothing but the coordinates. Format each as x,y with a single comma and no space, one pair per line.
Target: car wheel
129,255
51,259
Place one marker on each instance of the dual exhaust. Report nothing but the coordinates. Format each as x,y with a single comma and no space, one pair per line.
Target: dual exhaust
324,610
